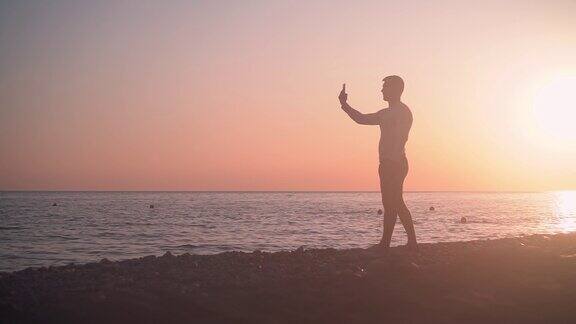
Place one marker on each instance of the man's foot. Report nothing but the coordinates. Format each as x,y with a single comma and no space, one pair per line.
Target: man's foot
379,248
412,246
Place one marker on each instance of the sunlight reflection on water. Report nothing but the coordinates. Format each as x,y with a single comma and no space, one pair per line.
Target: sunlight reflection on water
565,210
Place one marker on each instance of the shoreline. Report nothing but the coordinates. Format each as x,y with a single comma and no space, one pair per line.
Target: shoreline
523,279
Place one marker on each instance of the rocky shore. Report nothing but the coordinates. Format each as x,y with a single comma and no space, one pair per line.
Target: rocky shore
525,279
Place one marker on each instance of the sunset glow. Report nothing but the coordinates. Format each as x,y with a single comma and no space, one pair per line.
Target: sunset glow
203,95
555,108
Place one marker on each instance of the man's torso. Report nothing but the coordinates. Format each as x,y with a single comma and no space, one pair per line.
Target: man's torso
394,129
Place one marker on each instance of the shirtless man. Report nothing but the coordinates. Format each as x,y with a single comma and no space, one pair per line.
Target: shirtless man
395,122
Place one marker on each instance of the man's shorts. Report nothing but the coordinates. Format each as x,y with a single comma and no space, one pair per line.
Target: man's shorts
392,174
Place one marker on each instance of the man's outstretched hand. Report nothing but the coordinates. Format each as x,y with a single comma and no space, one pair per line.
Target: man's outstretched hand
343,97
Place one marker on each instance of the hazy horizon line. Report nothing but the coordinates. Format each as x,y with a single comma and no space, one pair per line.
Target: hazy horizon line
300,191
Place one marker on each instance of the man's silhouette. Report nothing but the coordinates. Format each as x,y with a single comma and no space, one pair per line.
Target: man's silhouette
395,122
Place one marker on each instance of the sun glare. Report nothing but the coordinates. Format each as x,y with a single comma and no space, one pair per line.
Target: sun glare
555,108
565,210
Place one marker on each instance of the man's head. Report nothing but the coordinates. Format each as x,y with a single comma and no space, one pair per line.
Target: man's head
392,87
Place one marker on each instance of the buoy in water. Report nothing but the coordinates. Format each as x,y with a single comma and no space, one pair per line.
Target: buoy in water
151,206
463,220
431,208
379,211
54,204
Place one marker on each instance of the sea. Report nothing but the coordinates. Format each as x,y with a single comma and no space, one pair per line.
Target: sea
57,228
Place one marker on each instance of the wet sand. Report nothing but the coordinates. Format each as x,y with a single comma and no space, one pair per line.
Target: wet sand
525,279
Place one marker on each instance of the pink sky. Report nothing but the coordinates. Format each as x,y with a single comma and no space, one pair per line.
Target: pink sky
217,95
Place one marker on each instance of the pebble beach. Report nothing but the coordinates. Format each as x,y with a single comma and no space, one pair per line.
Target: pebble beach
523,279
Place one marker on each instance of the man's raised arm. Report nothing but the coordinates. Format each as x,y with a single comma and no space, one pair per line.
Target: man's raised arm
360,118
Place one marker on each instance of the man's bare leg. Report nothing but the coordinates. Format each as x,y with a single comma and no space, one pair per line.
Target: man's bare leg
406,219
390,216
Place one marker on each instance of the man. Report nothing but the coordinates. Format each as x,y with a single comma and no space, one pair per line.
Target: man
395,123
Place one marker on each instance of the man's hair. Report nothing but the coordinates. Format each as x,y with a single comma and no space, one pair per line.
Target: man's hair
396,83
